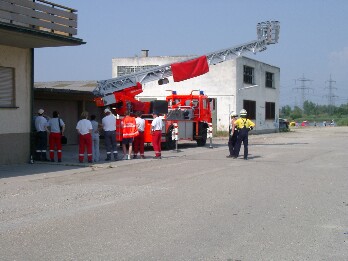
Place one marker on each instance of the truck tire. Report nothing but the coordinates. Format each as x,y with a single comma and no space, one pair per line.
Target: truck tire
203,140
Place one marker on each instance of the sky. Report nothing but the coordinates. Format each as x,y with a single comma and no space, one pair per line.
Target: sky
313,42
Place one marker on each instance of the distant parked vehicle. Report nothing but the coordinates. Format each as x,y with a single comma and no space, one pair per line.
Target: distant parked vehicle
305,124
283,124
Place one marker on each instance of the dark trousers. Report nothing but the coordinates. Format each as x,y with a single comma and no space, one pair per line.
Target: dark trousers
41,145
232,140
110,142
242,137
41,138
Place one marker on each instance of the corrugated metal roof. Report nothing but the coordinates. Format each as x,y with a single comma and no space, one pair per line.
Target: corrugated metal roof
83,86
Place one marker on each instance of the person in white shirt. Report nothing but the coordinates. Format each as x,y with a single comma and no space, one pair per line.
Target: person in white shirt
109,127
139,140
57,128
156,131
41,126
95,139
84,129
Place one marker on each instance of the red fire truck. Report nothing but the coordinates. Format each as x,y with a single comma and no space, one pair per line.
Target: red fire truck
191,112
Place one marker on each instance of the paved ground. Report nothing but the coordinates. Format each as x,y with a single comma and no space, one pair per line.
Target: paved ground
288,202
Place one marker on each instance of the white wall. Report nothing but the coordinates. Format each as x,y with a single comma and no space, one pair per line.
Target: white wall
221,82
260,93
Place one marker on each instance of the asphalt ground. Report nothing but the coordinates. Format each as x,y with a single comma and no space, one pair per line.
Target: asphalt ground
289,201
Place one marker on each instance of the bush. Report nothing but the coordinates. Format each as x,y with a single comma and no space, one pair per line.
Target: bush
342,122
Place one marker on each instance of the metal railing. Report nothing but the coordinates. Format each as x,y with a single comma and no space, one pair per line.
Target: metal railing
40,15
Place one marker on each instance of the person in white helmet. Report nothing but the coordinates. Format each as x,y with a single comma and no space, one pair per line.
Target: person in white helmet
233,133
41,126
243,125
109,126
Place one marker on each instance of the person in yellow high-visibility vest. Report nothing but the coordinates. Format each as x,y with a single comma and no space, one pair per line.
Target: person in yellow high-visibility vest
243,125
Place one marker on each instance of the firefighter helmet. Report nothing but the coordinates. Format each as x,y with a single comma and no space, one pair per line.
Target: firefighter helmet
233,114
243,112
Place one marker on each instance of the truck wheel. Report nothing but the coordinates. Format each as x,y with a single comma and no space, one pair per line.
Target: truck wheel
202,141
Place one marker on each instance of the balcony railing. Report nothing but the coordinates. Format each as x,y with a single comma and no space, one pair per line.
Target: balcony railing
40,15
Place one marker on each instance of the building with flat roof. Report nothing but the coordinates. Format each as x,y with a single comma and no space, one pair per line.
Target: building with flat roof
235,84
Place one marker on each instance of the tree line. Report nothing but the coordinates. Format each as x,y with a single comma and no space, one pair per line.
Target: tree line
316,113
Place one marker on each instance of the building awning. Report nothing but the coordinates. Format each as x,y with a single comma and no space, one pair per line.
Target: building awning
24,37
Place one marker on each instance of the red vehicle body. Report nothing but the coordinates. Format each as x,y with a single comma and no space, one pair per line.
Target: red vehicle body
192,113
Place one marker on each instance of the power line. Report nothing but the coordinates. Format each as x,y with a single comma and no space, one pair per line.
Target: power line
303,88
330,96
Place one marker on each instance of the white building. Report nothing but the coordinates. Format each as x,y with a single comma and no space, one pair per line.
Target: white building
234,84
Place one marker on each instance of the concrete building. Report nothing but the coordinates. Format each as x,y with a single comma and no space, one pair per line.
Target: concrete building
234,84
25,25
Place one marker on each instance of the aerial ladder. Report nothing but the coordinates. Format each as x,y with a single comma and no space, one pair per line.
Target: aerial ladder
267,33
191,112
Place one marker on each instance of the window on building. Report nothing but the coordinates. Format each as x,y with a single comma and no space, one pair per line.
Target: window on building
269,80
248,74
124,70
270,110
7,87
250,107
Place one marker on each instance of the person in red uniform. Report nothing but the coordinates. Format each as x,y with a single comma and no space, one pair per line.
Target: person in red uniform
129,131
84,129
138,145
156,131
57,128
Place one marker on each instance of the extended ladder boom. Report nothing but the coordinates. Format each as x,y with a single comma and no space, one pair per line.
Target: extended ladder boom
268,33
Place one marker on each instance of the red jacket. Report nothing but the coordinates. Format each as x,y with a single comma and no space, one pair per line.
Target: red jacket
129,127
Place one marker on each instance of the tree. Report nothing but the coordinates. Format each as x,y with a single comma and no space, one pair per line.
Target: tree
310,108
285,111
297,113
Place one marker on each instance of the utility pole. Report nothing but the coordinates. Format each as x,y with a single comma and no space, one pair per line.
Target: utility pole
330,96
303,88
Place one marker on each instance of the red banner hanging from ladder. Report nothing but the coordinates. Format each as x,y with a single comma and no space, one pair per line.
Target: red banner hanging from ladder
189,69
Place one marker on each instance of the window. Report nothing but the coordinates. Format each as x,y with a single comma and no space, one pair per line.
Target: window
248,74
270,110
7,87
250,107
269,80
124,70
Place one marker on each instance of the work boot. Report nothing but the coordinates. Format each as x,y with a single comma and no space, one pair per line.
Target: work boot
115,156
108,157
